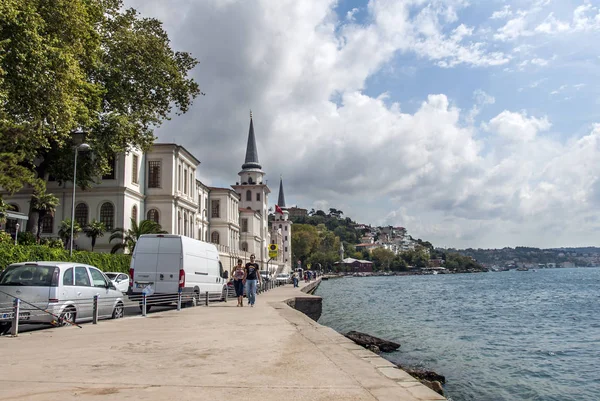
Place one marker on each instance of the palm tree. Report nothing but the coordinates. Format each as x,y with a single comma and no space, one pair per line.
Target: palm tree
94,230
64,230
128,238
45,205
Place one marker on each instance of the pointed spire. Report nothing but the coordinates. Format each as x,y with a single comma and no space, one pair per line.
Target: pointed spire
281,199
251,152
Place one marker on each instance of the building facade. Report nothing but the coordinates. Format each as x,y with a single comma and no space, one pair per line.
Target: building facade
161,185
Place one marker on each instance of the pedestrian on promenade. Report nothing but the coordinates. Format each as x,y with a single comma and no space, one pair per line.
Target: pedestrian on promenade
252,278
239,278
295,279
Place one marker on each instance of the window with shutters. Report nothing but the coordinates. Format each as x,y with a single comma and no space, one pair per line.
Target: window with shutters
47,224
154,174
81,214
107,215
244,225
152,215
134,169
214,237
215,209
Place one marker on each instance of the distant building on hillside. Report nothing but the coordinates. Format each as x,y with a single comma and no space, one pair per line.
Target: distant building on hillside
356,265
295,211
367,246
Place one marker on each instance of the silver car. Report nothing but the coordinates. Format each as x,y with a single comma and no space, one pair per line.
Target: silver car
56,293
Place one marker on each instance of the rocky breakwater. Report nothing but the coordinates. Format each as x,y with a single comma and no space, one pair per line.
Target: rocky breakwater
377,345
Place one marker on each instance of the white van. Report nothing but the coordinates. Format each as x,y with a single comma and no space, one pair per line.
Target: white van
167,264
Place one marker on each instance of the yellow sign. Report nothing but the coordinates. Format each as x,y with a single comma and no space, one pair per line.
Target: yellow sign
273,250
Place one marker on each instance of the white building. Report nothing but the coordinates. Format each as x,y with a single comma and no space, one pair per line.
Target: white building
161,185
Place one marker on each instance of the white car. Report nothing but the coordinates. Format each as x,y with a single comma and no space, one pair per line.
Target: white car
120,280
58,293
283,278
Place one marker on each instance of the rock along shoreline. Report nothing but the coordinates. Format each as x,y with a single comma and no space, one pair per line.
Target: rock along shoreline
378,345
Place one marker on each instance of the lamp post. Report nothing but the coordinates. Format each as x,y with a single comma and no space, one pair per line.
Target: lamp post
83,146
16,232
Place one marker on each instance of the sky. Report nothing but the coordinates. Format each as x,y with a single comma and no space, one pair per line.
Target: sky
470,123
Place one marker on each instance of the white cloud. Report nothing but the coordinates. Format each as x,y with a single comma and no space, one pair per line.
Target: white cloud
539,61
482,99
430,169
517,127
505,12
350,14
513,29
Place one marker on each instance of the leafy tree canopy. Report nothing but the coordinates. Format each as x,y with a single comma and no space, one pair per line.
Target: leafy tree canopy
87,66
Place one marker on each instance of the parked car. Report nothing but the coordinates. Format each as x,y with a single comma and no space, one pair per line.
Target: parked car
120,280
168,263
64,289
264,274
283,278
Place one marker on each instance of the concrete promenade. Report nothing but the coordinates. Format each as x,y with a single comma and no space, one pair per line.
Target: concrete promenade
220,352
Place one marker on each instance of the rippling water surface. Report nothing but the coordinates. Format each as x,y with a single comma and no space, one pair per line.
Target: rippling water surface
495,336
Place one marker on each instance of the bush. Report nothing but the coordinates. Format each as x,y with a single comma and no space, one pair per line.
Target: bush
26,238
5,238
9,253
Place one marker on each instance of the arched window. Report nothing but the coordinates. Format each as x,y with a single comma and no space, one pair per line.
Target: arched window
214,237
153,215
249,195
81,214
47,224
107,215
245,246
134,213
185,224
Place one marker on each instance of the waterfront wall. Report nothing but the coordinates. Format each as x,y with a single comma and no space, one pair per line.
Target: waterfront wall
310,305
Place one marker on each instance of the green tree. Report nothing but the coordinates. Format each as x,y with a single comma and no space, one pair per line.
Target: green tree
89,66
94,230
128,238
43,204
383,257
64,231
305,240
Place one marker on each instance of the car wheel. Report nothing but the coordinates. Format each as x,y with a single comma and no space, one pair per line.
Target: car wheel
68,317
5,328
119,311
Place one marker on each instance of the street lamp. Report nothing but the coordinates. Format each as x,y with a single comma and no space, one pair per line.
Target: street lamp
16,232
83,146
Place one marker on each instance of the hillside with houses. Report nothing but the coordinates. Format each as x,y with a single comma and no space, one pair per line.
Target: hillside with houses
336,242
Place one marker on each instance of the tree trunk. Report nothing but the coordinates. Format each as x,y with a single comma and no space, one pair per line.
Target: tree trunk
34,218
93,243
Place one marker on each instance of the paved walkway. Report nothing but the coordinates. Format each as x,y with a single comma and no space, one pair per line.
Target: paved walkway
220,352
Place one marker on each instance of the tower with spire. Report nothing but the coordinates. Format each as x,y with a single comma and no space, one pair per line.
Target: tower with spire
253,192
283,226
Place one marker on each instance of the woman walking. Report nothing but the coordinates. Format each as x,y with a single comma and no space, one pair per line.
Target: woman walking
239,279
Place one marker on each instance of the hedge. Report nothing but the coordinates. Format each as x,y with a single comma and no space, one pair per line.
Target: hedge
30,253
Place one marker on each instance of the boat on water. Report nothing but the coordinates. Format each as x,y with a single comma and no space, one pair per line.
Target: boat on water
522,269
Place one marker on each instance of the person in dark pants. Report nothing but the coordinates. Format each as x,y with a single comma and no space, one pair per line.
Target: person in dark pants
239,278
252,279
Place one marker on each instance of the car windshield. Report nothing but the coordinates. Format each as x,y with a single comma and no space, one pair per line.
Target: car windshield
30,275
111,276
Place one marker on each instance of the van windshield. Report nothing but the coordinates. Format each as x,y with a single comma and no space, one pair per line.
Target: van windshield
30,275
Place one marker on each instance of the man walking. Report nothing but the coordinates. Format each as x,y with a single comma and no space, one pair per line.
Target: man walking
252,278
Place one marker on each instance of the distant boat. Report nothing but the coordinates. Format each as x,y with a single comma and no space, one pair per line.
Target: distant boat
435,272
522,269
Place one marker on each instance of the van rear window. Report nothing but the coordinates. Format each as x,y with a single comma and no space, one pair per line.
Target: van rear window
29,275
